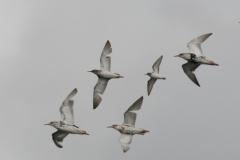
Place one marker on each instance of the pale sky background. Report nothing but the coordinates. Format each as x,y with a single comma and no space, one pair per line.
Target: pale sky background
47,47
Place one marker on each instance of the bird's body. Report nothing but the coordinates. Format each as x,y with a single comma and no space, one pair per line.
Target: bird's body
195,58
104,75
128,129
154,75
107,74
66,126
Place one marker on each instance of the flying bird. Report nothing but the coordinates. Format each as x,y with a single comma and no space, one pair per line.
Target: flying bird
66,125
154,75
195,58
104,75
127,129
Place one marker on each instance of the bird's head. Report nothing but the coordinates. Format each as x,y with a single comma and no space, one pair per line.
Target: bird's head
53,123
149,74
181,55
95,71
186,56
113,126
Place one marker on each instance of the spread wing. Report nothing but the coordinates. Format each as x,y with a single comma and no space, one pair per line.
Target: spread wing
66,108
157,64
195,44
125,140
130,117
101,85
96,99
151,82
99,88
105,60
58,137
189,68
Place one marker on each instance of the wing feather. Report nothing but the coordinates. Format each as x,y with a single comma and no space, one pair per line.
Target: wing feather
96,99
66,108
151,82
101,85
105,60
157,64
195,44
188,69
125,140
130,117
58,137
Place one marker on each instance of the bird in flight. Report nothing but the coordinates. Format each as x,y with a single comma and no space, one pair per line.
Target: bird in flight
127,129
195,58
66,125
154,75
104,75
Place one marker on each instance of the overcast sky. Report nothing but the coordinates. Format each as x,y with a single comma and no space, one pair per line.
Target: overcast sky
47,47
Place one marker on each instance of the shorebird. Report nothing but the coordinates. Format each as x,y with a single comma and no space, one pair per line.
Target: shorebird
154,75
195,58
66,125
127,129
104,75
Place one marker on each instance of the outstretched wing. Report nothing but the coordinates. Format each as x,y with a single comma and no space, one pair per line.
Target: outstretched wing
189,68
66,108
105,60
125,140
195,44
99,88
101,85
58,137
157,64
130,117
151,82
96,99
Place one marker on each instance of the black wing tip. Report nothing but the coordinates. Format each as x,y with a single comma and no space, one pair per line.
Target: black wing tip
75,89
108,43
197,84
96,105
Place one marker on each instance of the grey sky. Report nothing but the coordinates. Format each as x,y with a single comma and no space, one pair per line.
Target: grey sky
47,47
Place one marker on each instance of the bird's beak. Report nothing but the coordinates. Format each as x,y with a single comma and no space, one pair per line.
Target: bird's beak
46,124
86,133
110,127
212,63
176,56
89,71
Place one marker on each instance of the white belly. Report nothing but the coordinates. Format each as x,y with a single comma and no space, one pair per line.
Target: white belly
107,74
156,76
131,130
69,129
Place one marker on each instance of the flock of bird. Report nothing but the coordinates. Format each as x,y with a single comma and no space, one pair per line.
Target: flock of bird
66,126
